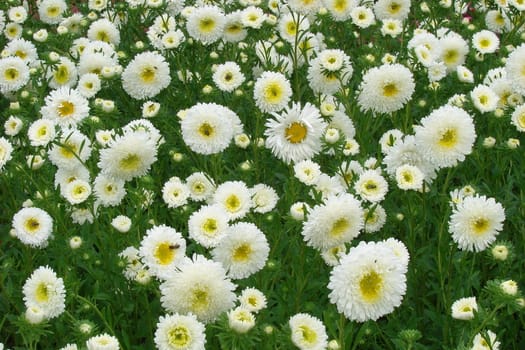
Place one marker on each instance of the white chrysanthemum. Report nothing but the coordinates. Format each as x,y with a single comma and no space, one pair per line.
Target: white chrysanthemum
175,193
252,299
396,9
480,341
327,186
305,7
228,76
445,136
182,332
62,74
65,106
208,128
243,251
89,84
362,16
371,186
201,186
34,315
308,332
518,118
121,223
17,14
96,62
77,191
464,308
341,10
208,225
65,176
206,24
264,198
146,75
484,98
331,256
72,149
409,177
144,125
515,68
485,41
51,11
109,191
69,347
497,21
13,31
454,50
6,150
400,251
234,30
392,27
295,134
241,320
369,282
252,17
234,197
206,295
13,125
465,75
162,250
14,74
339,220
386,89
24,49
272,92
46,291
292,25
103,342
475,222
374,218
128,156
33,226
307,171
389,139
172,39
329,71
104,30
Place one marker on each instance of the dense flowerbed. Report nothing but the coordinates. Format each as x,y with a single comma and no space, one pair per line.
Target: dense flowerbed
312,174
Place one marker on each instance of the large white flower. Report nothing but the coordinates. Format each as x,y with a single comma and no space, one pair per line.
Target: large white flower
295,134
180,332
46,291
146,75
369,282
308,332
33,226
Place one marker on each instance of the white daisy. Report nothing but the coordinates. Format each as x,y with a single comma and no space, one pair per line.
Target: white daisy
362,16
208,225
308,332
264,198
475,222
180,332
228,76
201,186
339,220
146,75
63,73
295,134
484,98
162,250
241,320
464,308
51,11
14,74
409,177
104,30
175,193
33,226
234,197
109,191
206,295
46,291
103,341
272,92
243,251
485,41
72,149
66,107
518,118
252,299
396,9
206,24
371,186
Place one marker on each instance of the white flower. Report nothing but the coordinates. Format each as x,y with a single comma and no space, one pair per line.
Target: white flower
397,9
66,107
241,320
200,185
234,197
272,92
264,198
33,226
484,98
409,177
121,223
485,41
208,225
45,290
252,299
515,68
228,76
308,332
175,193
102,342
146,75
475,222
371,186
6,150
180,332
14,74
206,23
464,308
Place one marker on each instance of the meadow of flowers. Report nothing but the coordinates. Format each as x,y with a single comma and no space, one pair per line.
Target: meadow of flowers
253,174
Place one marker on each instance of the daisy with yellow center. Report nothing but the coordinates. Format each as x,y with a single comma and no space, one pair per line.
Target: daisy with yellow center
162,249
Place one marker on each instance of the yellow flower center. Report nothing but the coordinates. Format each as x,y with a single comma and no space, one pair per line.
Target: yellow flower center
394,8
21,54
31,225
309,335
130,162
68,150
390,90
103,36
11,74
296,132
206,130
79,191
198,188
340,5
370,186
252,301
291,28
42,293
53,11
148,74
179,336
210,226
207,25
273,92
450,57
521,120
407,177
370,286
164,253
484,43
242,253
61,75
339,227
65,109
448,138
233,203
479,225
233,28
466,309
200,299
